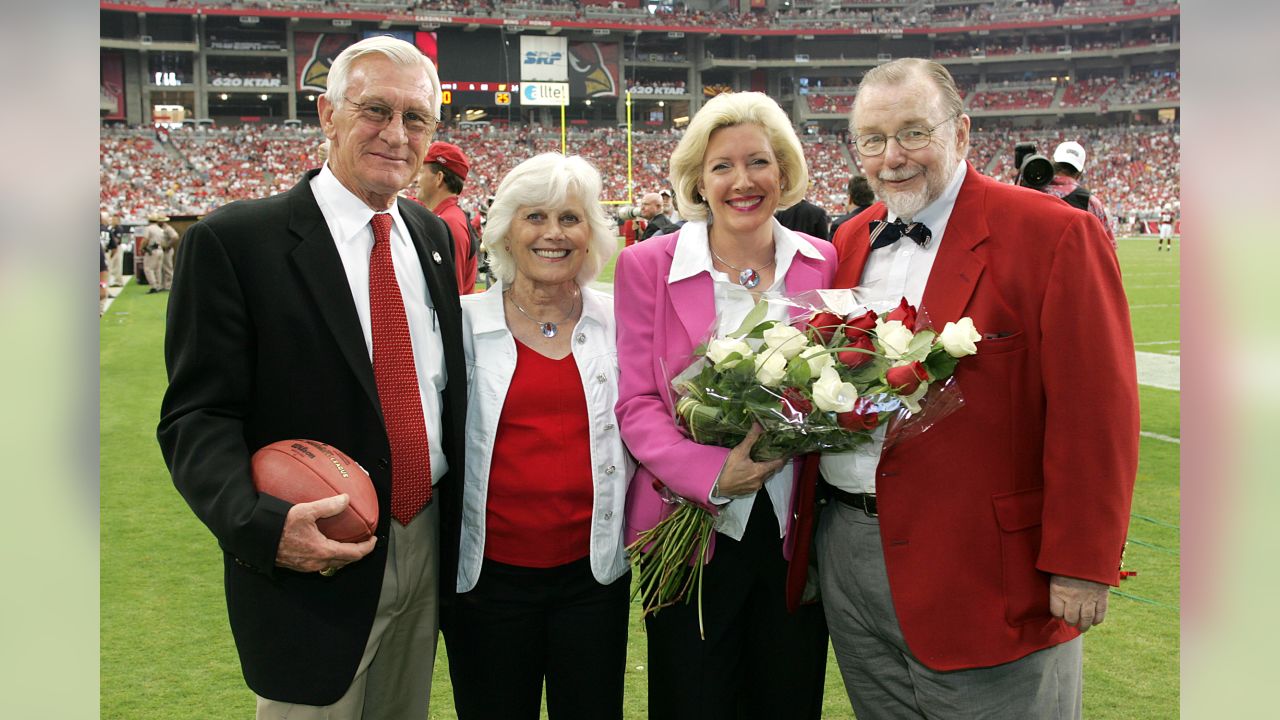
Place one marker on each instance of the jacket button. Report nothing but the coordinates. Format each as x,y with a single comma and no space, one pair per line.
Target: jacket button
609,470
582,338
383,464
609,426
601,378
608,514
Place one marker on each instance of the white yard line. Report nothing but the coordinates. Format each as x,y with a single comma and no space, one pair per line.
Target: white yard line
1162,438
112,297
1159,370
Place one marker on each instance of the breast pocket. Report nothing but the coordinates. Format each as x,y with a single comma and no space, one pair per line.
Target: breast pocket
998,343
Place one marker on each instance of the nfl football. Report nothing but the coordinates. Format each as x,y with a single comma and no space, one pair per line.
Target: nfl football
301,471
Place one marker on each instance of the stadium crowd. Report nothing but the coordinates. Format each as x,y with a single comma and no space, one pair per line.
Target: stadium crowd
194,170
797,16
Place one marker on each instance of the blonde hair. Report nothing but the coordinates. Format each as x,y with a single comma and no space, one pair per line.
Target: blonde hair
728,110
549,179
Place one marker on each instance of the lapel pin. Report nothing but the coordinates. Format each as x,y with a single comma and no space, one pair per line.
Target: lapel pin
436,256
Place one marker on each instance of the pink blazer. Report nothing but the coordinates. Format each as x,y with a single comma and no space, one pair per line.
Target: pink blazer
659,325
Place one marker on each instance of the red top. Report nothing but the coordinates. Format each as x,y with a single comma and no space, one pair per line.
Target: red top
463,262
540,486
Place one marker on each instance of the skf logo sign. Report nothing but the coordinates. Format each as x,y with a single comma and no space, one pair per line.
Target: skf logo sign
543,93
542,57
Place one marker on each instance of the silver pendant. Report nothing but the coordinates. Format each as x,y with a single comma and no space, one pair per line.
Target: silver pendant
548,329
748,278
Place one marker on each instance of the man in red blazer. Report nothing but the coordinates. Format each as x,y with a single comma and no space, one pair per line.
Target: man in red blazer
959,567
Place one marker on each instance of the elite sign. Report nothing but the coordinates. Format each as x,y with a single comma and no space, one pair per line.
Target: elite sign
544,93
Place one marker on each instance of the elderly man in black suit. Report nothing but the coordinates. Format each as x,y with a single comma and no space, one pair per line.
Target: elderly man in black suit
329,312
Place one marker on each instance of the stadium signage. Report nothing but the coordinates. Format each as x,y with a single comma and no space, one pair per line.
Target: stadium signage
442,19
544,58
244,45
656,90
245,82
544,93
527,23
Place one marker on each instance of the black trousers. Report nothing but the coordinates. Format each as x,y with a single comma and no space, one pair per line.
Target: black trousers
758,660
520,626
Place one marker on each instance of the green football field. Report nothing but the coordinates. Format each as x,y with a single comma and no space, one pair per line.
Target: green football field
166,649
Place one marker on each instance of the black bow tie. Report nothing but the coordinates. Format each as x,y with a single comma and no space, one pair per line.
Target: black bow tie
887,233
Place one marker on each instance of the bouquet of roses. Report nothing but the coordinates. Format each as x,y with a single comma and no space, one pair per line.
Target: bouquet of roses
823,382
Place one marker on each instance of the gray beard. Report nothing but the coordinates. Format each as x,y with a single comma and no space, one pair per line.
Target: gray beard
907,205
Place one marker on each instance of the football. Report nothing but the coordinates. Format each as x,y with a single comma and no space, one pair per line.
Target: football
301,471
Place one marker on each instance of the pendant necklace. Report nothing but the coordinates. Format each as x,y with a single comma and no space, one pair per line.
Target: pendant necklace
548,328
747,277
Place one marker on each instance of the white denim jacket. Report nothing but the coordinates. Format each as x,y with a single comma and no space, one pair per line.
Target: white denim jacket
491,361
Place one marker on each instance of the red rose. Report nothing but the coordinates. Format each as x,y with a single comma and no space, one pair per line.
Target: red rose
904,379
862,417
794,404
826,324
850,356
904,313
860,326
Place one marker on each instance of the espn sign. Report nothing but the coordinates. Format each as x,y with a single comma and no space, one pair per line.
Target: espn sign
544,58
544,93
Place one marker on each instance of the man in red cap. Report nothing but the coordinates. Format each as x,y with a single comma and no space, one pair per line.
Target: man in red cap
443,171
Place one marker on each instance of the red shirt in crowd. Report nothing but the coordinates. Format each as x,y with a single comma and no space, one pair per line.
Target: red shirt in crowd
464,262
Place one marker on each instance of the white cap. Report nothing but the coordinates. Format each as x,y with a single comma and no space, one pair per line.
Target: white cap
1071,153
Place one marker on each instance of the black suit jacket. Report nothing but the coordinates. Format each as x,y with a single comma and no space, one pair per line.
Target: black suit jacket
263,344
659,225
804,217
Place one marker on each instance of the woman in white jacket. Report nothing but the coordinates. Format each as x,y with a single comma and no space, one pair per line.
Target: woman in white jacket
542,575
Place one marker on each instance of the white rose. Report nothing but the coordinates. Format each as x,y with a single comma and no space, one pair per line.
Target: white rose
721,348
959,338
895,338
771,367
818,359
785,339
831,394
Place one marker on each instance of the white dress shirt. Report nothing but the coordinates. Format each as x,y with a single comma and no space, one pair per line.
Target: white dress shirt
491,362
891,273
733,302
349,219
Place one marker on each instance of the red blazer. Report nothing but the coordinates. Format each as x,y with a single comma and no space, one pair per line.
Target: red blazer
1034,475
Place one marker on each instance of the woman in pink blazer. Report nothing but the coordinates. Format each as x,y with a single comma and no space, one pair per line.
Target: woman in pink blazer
738,163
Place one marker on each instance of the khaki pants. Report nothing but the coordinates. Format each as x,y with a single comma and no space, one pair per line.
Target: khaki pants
115,267
151,265
393,681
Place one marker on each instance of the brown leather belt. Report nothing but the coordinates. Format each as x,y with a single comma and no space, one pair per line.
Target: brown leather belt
861,501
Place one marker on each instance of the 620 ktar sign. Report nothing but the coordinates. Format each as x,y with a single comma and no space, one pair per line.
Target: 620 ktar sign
544,93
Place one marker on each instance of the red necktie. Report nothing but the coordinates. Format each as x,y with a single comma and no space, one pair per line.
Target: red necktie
397,379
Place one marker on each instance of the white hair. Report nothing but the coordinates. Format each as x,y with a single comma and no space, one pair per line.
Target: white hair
394,49
549,179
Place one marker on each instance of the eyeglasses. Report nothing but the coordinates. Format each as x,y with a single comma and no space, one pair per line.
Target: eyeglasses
909,138
379,115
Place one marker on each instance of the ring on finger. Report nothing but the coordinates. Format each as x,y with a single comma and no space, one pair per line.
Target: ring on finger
329,571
